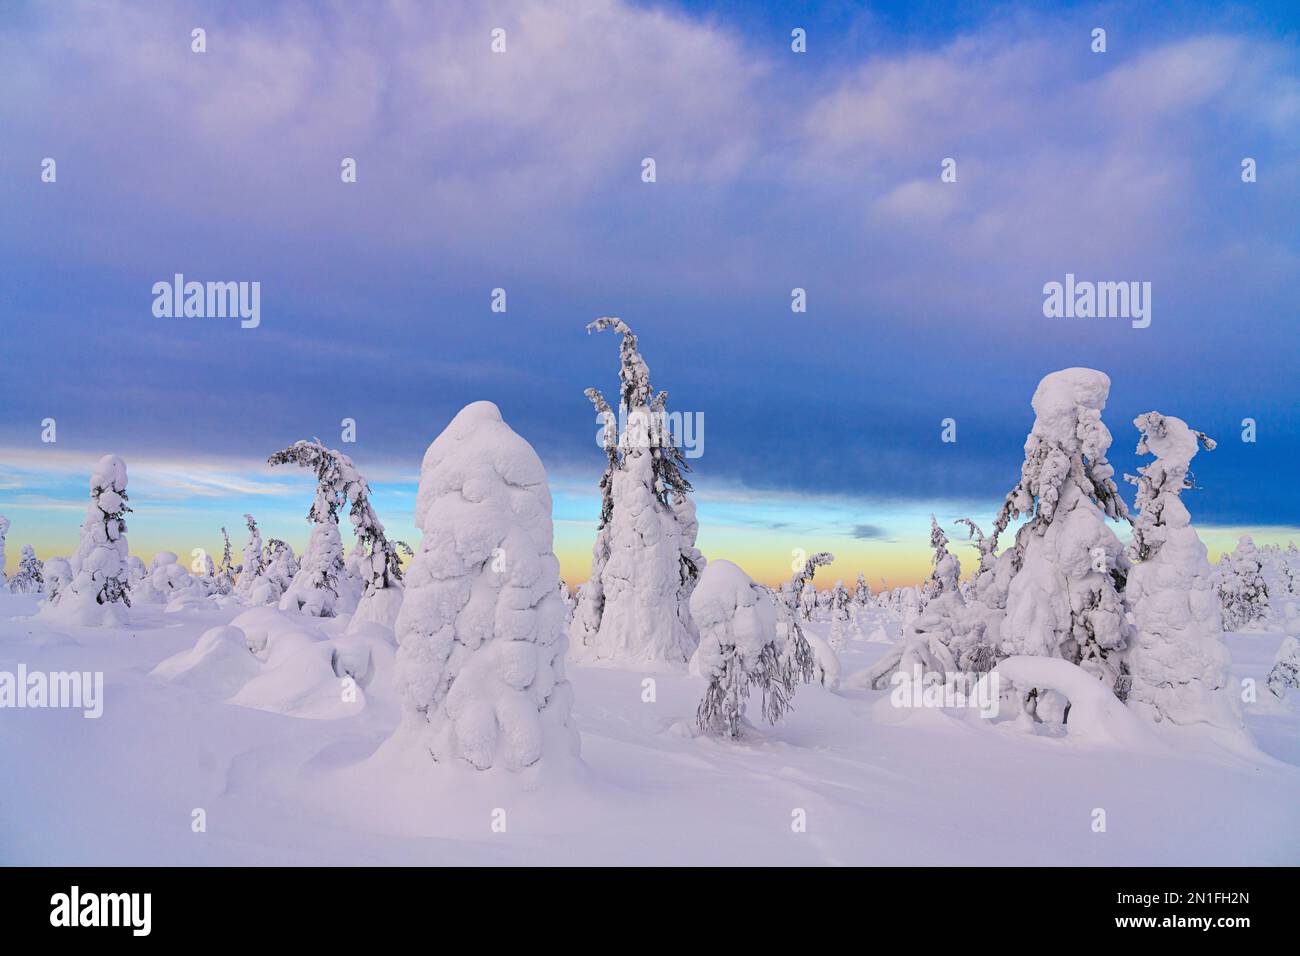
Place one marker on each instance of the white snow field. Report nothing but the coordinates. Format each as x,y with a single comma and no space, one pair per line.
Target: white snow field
294,774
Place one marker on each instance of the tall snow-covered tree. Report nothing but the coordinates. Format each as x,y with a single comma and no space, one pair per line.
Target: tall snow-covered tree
1177,663
29,578
4,530
1064,599
480,660
1243,593
98,592
224,582
739,649
322,587
635,607
252,566
807,655
862,592
839,611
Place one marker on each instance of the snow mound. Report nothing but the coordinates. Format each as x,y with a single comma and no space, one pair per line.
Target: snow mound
1097,717
269,660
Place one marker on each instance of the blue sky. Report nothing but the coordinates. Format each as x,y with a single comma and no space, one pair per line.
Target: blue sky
522,171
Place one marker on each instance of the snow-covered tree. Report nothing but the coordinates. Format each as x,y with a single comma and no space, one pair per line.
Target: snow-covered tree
323,588
252,566
279,568
58,575
1064,599
931,641
807,600
4,530
566,596
167,581
635,607
98,592
1243,593
839,611
807,655
739,649
480,662
1285,672
862,592
224,581
30,577
1177,663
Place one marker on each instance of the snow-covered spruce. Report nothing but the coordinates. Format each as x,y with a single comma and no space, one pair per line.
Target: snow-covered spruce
166,582
30,577
58,575
279,568
4,530
98,593
1285,672
227,570
1243,593
480,662
635,607
928,641
807,656
323,587
739,649
1064,599
1177,663
253,565
862,592
839,610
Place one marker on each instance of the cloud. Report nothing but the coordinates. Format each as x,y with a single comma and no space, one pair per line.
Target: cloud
868,531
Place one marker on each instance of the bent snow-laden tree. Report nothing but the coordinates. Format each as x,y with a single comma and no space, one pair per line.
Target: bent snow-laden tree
635,607
480,660
319,588
1178,665
739,649
806,655
98,592
252,567
1064,599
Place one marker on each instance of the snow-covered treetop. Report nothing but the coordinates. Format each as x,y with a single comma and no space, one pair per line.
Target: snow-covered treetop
805,574
1160,483
1068,443
338,482
947,569
637,397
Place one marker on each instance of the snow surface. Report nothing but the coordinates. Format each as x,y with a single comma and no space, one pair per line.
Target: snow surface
924,787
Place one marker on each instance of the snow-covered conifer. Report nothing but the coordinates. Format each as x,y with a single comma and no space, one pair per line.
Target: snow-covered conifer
4,530
323,588
58,575
1177,663
30,577
224,582
480,662
635,607
99,592
862,592
839,611
1243,593
1285,672
807,655
279,568
252,566
1064,599
739,649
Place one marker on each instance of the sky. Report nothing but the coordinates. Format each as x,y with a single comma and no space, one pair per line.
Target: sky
523,171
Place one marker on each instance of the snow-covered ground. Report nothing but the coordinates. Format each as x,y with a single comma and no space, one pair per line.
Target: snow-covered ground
875,784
